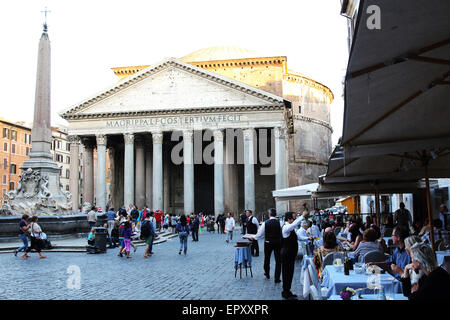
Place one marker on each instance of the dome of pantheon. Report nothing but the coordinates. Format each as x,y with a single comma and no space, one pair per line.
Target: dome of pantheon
220,53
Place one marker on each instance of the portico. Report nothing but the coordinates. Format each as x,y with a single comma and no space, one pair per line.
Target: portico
182,140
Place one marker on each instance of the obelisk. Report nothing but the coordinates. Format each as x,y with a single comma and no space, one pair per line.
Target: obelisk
39,190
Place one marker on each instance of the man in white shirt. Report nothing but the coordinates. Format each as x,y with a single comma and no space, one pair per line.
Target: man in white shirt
252,228
289,251
271,231
229,227
303,233
314,230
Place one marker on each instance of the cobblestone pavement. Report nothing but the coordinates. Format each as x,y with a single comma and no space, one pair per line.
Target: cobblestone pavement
206,272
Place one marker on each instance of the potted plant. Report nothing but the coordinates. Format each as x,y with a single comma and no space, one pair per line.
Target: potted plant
347,293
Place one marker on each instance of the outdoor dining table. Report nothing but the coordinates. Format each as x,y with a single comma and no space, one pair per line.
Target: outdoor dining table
397,296
336,281
242,258
440,256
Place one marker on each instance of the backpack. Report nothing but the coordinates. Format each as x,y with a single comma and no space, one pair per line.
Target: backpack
184,233
145,229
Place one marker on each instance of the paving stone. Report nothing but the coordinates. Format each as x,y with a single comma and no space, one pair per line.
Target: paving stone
206,272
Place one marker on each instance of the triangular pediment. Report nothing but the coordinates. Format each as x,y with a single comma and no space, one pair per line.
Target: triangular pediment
172,85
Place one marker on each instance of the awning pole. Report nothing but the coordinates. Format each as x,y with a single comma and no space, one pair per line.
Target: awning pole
377,208
427,183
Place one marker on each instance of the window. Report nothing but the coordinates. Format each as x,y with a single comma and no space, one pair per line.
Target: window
13,148
299,109
67,187
67,173
4,179
11,185
67,146
27,138
59,158
6,133
5,147
5,163
13,168
14,135
67,159
27,150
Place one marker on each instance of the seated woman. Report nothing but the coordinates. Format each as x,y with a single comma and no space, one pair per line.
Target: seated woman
437,280
329,245
380,239
355,237
367,244
91,237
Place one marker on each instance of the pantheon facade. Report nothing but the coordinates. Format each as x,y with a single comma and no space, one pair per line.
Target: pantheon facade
214,131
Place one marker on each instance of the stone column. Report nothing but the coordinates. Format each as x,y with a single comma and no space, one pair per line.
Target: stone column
157,171
231,178
166,179
74,182
280,166
249,170
128,170
188,160
88,186
101,172
148,173
139,197
219,202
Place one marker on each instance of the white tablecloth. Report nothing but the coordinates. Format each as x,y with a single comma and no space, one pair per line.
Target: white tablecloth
337,281
440,255
397,296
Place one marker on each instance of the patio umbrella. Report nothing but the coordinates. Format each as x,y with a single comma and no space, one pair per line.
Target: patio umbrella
397,96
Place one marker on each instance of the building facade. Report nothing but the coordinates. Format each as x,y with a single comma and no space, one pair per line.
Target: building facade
15,142
263,126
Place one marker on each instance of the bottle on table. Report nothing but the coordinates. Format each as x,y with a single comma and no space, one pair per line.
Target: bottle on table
346,264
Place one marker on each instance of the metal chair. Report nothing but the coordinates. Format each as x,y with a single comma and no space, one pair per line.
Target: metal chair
329,258
315,295
337,230
443,246
374,256
323,291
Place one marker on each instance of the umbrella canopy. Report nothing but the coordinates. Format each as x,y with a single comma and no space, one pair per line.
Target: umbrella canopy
397,84
295,193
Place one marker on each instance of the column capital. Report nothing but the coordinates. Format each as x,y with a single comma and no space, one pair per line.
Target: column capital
187,135
218,134
157,137
280,133
101,139
128,138
88,143
74,140
248,133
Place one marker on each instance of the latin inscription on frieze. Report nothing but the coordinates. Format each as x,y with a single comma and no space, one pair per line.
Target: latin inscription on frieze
178,120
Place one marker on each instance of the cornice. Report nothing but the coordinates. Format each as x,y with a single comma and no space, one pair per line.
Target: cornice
312,120
290,77
280,107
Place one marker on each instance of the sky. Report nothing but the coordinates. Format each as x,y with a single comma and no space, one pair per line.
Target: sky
88,38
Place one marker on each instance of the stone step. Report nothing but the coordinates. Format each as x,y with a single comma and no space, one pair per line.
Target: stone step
58,248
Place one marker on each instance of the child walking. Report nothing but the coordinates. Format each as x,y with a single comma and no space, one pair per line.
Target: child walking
127,237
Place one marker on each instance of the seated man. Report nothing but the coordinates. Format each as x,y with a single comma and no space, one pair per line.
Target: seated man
400,258
439,233
367,244
436,281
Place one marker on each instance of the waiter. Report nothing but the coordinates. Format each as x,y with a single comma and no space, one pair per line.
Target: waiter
271,231
252,228
289,249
